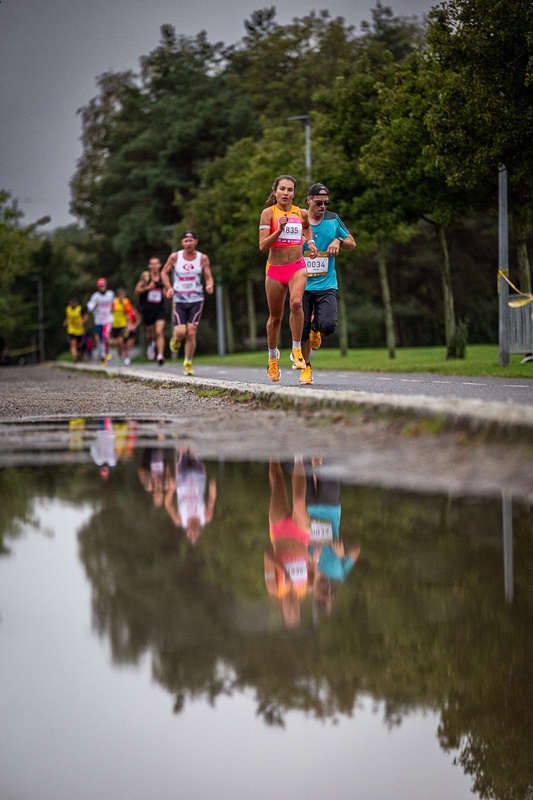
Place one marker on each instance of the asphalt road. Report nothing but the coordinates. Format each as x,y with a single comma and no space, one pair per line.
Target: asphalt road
501,390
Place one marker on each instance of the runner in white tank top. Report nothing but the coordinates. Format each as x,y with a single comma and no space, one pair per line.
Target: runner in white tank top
192,511
188,266
101,307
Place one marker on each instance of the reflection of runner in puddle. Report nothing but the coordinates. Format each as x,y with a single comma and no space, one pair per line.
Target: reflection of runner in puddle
125,435
103,448
333,562
154,474
286,572
76,428
192,512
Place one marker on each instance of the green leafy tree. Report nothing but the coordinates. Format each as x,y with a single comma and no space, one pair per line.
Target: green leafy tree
347,118
146,137
280,67
400,165
67,260
483,115
227,206
18,297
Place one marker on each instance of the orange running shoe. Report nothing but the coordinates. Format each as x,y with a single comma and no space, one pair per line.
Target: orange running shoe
298,361
315,339
306,375
273,370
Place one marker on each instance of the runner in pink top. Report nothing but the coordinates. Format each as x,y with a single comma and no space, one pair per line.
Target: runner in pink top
283,230
286,566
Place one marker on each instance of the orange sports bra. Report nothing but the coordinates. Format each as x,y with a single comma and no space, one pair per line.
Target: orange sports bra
292,234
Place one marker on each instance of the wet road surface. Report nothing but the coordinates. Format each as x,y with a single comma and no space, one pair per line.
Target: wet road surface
501,390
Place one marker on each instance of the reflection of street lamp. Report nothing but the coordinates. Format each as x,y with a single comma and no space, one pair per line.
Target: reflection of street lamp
507,512
307,120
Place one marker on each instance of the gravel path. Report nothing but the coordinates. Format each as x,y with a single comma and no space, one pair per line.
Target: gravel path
371,449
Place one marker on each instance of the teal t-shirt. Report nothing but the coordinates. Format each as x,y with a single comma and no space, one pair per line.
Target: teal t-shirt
332,565
330,513
331,227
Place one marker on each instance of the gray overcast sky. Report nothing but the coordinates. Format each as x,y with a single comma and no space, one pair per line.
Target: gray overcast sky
51,53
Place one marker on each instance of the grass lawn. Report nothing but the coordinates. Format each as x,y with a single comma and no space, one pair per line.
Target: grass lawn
481,361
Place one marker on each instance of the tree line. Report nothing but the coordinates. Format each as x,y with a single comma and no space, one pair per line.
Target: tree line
410,122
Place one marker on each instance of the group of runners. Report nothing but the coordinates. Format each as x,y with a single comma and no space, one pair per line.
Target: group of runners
116,319
302,245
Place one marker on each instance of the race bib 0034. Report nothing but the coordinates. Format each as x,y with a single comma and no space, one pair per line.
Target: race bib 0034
154,296
321,530
317,266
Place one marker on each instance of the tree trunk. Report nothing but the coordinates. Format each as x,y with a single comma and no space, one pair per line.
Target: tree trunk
449,307
342,323
252,317
386,297
520,225
230,336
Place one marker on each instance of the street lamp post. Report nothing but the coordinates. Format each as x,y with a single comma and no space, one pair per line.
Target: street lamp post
40,315
219,295
503,255
307,119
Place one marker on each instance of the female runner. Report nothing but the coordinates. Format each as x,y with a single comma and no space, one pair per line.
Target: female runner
281,234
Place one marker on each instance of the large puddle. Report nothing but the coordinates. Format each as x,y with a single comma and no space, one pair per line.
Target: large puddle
173,627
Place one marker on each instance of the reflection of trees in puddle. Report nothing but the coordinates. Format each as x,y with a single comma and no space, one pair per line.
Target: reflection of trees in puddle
421,623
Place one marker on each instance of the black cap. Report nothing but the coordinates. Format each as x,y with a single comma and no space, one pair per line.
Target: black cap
317,188
189,233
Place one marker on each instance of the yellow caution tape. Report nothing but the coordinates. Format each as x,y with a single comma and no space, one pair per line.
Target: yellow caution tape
521,301
23,350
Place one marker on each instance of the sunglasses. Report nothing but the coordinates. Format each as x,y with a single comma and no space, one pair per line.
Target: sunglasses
321,202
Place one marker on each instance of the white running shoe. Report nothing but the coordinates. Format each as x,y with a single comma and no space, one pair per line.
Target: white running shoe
150,351
127,362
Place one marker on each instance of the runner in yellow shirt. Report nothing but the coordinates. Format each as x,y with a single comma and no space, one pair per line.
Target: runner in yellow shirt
121,310
74,322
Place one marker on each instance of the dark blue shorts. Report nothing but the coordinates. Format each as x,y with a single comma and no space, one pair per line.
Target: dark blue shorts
322,306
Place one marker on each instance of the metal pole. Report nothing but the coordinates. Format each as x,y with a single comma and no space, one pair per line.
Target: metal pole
308,150
40,314
40,306
507,513
219,294
503,257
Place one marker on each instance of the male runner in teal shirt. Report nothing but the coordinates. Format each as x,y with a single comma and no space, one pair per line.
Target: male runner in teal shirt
320,296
